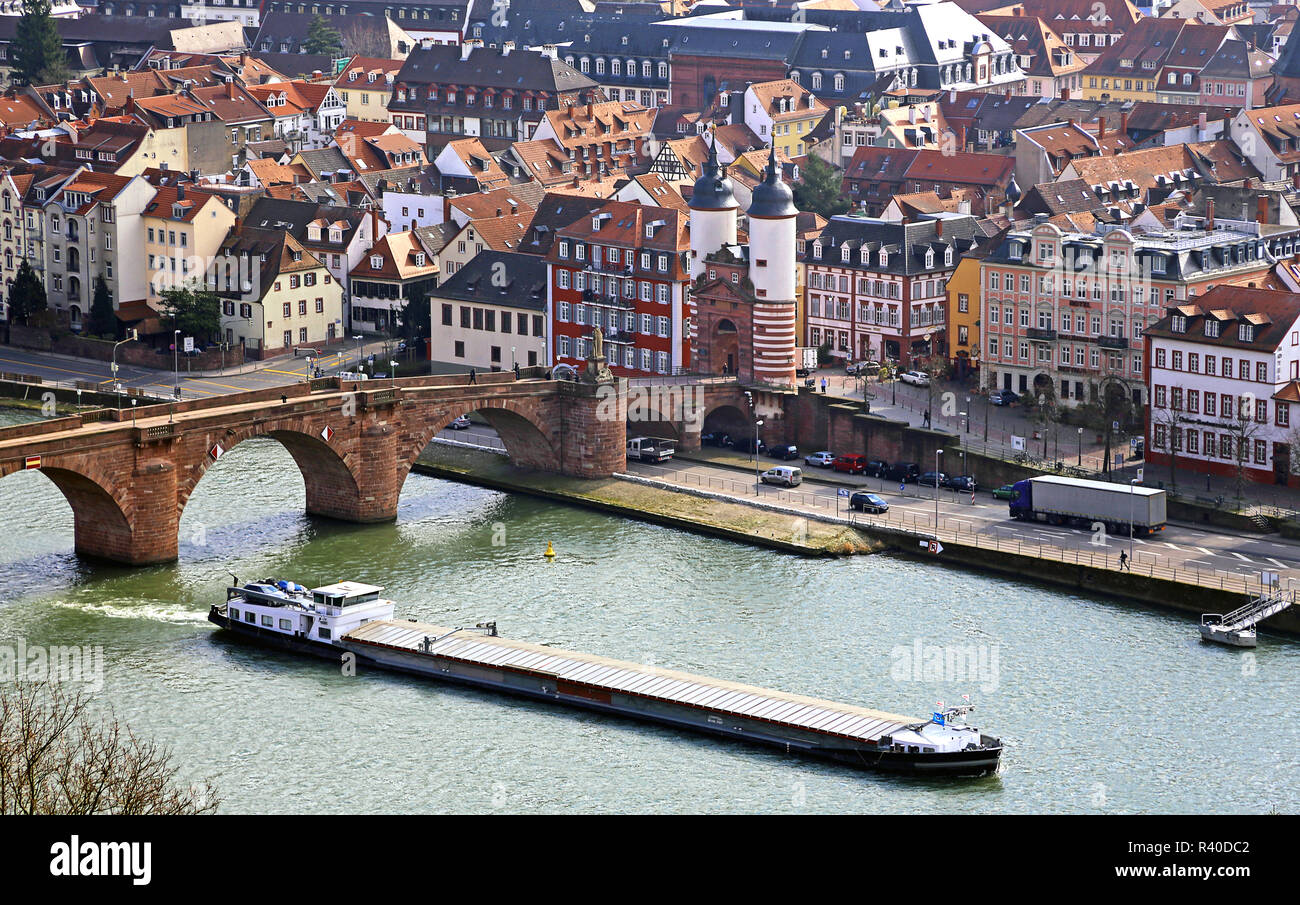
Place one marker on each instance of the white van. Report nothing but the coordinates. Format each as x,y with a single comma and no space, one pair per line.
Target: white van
785,475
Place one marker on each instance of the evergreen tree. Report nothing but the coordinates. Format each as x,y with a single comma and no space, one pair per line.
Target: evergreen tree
818,189
195,313
414,319
103,322
26,295
323,38
39,58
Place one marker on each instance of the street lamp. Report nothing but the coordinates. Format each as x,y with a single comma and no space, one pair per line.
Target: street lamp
1131,484
307,376
392,377
133,401
937,454
1080,463
358,339
967,414
758,480
176,362
132,335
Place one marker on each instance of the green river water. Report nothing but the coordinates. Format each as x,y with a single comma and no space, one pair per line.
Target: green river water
1104,707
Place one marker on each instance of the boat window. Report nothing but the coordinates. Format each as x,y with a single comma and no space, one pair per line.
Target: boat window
285,625
234,613
250,617
267,621
325,633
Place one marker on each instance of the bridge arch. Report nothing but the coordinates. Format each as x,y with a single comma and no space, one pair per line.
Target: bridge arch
101,526
518,422
332,486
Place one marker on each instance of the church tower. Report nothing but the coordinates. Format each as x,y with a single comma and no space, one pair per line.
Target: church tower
772,240
713,211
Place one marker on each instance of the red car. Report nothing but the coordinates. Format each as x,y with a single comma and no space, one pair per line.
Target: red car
850,464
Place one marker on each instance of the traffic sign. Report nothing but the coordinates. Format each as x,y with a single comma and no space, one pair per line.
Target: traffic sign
216,451
189,344
932,546
843,491
32,462
326,433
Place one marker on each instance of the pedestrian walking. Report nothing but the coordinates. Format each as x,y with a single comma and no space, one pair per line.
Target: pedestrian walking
473,377
1123,561
927,417
823,384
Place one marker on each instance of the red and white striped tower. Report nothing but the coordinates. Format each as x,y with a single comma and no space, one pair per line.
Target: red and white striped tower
772,233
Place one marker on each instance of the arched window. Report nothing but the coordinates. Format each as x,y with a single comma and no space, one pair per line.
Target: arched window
794,77
839,81
616,67
816,81
663,70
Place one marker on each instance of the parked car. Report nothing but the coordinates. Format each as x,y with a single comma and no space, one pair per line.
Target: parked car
1004,397
820,459
715,438
867,502
850,464
877,468
854,368
746,445
906,472
916,378
459,424
933,479
783,451
1140,448
963,482
1005,492
784,475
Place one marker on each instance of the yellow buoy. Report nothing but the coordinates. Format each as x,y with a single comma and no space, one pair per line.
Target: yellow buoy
550,551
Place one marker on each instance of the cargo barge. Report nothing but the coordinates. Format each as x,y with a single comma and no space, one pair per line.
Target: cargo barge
352,618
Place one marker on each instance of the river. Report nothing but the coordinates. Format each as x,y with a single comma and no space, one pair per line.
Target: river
1104,707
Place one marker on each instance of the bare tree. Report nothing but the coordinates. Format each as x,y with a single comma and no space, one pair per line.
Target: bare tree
1174,421
56,758
1243,429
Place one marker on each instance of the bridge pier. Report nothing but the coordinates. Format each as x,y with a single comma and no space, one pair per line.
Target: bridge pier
145,534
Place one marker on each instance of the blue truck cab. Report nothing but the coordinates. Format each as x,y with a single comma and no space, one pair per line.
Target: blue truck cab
1021,504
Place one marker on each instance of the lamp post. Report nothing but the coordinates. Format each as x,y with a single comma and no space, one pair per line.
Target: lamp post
392,374
937,454
176,362
1131,484
1080,463
967,414
758,480
133,401
132,335
358,339
307,376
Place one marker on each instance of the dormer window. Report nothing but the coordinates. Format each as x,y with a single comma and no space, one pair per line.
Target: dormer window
817,250
845,251
1211,327
1246,333
947,256
884,258
929,259
419,259
376,262
1178,324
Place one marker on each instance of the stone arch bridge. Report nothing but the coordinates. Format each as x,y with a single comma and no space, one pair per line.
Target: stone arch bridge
128,475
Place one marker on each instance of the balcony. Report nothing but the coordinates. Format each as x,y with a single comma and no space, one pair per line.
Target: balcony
1112,342
1040,334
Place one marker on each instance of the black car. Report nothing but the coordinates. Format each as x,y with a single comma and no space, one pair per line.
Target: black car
715,438
963,482
877,468
746,445
906,472
783,451
933,479
867,502
1004,397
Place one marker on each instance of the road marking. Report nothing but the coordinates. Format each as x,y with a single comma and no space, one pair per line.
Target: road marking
1205,551
1239,556
1170,546
28,364
1199,562
1280,565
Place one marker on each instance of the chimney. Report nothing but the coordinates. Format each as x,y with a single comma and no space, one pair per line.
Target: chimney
911,114
1202,126
952,96
498,213
1065,94
938,228
1101,128
180,191
507,47
1247,183
1123,123
1209,214
467,48
1261,209
230,90
961,138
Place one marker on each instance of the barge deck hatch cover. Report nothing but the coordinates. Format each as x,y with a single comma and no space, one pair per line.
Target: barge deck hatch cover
603,674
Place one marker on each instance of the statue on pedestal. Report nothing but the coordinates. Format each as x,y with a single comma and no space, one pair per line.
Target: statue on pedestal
597,370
